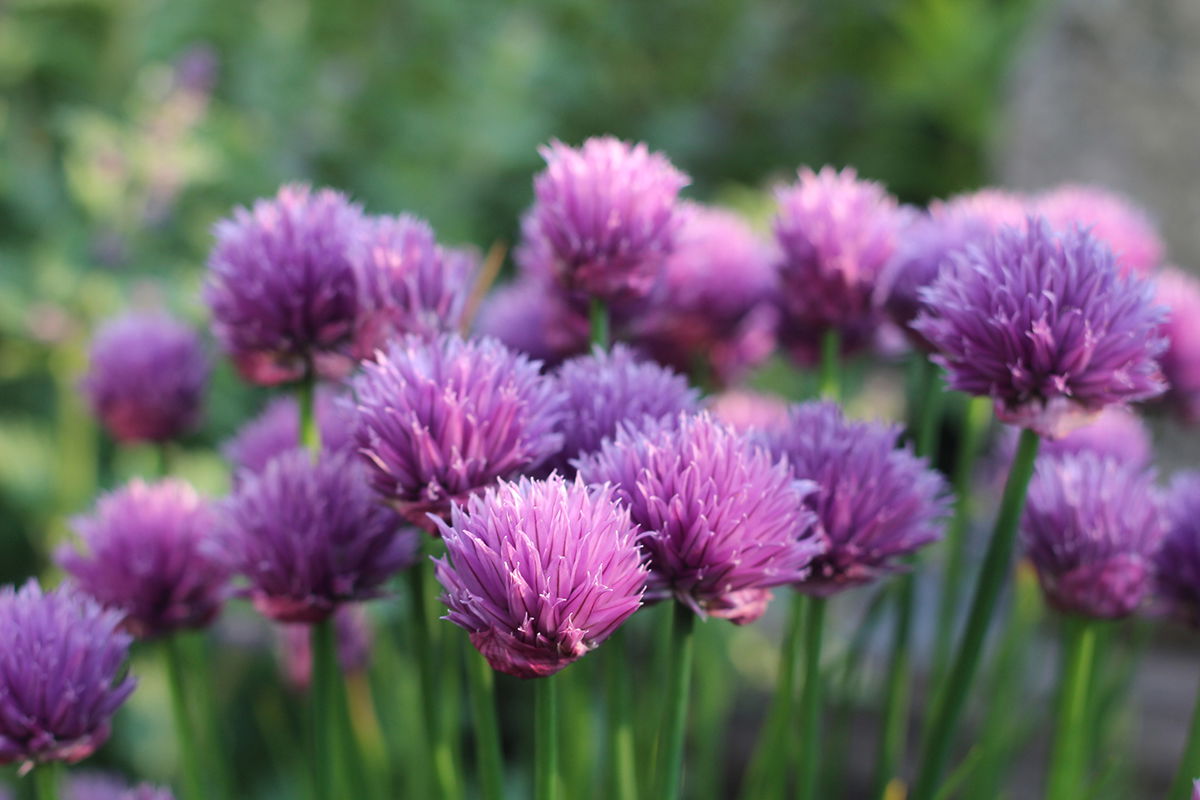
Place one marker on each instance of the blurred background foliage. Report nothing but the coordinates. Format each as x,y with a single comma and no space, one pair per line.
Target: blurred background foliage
127,127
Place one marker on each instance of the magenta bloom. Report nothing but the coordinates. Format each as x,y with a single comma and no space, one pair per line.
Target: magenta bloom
875,503
745,410
408,284
533,317
725,522
1180,294
61,674
146,378
282,286
713,305
1092,527
540,572
604,217
353,632
1177,568
1111,218
605,389
277,430
98,786
836,233
148,552
1045,325
308,536
440,419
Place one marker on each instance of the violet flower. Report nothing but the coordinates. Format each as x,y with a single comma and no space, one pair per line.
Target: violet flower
1180,294
147,551
1177,568
746,410
1045,325
533,317
146,378
540,572
1126,229
1115,432
61,674
725,522
1092,527
277,430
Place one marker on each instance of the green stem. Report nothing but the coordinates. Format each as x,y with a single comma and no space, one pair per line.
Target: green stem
310,434
193,787
162,458
1189,765
768,772
949,705
810,702
481,687
895,714
45,781
1067,759
830,385
975,422
325,750
200,657
929,419
679,681
545,734
621,758
598,316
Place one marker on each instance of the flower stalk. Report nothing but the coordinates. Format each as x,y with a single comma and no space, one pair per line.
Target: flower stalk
481,687
185,732
1069,753
545,693
679,681
810,702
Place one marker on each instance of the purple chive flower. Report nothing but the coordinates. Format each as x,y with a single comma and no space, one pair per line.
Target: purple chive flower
308,536
875,503
1045,325
353,632
540,572
440,419
1180,294
146,378
282,286
408,284
1092,527
1115,432
98,786
713,305
836,233
277,430
1177,567
147,551
604,217
60,674
605,389
725,522
533,317
997,208
1111,218
745,410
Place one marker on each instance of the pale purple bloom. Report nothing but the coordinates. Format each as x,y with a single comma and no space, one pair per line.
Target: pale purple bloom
836,233
604,217
607,388
713,308
277,430
1116,432
746,410
98,786
1092,527
1179,292
146,377
540,572
282,285
352,630
442,418
61,674
148,552
1177,568
308,535
995,207
1044,324
724,520
408,284
874,502
1196,789
1126,229
532,317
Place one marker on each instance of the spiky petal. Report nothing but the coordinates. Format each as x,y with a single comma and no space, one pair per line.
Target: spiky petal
442,418
540,572
148,551
724,520
1177,568
875,503
61,674
1092,527
282,286
1044,324
146,377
